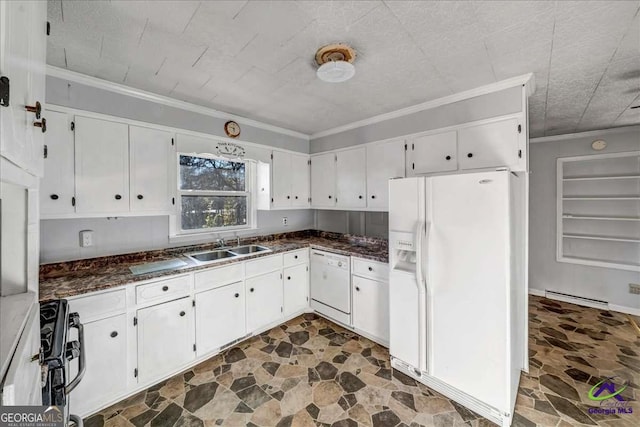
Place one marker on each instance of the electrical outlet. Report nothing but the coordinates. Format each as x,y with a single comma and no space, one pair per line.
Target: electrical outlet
285,221
634,288
86,238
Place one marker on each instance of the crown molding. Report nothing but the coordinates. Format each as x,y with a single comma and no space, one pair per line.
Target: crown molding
586,134
121,89
526,80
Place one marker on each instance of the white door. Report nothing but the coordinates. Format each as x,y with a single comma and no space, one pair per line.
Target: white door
165,338
264,300
220,317
105,344
57,189
468,284
489,145
281,179
22,384
102,166
371,307
351,178
151,169
323,180
432,153
299,181
296,288
384,161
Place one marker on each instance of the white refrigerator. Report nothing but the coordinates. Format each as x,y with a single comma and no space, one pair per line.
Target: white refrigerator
457,286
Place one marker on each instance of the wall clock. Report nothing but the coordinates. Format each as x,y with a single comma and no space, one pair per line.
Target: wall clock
232,129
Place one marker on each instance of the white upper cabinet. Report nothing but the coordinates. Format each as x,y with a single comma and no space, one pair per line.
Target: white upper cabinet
432,153
384,161
287,184
102,166
490,145
57,192
323,180
23,47
351,181
152,160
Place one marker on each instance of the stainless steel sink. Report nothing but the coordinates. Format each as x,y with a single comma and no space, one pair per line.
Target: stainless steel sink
211,256
249,249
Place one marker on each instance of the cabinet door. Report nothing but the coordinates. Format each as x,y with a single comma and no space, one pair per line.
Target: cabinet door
281,179
371,307
264,300
57,188
489,145
432,153
384,161
106,375
296,288
299,181
220,317
165,338
351,178
102,166
151,169
323,180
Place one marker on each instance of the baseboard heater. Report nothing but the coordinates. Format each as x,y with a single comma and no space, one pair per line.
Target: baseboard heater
573,299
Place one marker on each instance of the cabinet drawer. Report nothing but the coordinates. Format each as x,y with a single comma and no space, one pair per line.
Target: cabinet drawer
217,277
296,257
163,289
263,265
372,269
94,307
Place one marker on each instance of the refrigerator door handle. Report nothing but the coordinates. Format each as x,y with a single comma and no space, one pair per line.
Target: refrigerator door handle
422,231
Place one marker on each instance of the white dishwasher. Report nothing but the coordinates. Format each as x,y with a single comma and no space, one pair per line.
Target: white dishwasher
331,285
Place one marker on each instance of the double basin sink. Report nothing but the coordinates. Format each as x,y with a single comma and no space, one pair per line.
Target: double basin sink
214,255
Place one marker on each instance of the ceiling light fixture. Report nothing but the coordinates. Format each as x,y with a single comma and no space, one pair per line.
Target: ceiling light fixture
335,63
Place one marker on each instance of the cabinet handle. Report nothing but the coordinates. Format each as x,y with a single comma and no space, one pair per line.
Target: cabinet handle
448,157
37,109
370,268
42,124
140,197
236,295
288,277
470,155
182,313
114,334
359,197
118,197
54,197
296,197
295,257
329,196
288,197
373,197
357,289
165,288
251,290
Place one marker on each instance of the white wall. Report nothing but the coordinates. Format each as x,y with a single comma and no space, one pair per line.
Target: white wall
545,272
60,239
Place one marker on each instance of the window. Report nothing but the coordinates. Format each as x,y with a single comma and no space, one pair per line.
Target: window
213,193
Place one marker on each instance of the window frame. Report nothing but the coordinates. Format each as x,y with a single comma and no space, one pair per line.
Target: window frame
247,194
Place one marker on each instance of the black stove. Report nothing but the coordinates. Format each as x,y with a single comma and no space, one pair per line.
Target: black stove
58,351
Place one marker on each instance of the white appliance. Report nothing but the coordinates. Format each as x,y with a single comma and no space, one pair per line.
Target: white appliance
331,285
457,286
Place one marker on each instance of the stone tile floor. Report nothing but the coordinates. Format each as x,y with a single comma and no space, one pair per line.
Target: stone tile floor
311,372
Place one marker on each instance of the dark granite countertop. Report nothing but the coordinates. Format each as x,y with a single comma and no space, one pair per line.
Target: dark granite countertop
67,279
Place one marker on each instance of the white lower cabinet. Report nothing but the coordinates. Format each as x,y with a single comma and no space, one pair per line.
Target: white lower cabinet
220,317
105,344
165,338
371,307
296,288
264,299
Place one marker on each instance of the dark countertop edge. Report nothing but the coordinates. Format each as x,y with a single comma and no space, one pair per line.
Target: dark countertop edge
291,245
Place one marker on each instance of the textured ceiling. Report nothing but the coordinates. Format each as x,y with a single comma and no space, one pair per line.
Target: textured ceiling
255,58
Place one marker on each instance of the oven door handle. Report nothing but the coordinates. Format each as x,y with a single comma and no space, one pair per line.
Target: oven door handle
76,420
81,362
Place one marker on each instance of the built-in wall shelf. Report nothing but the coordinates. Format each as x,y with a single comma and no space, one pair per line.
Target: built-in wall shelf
598,210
